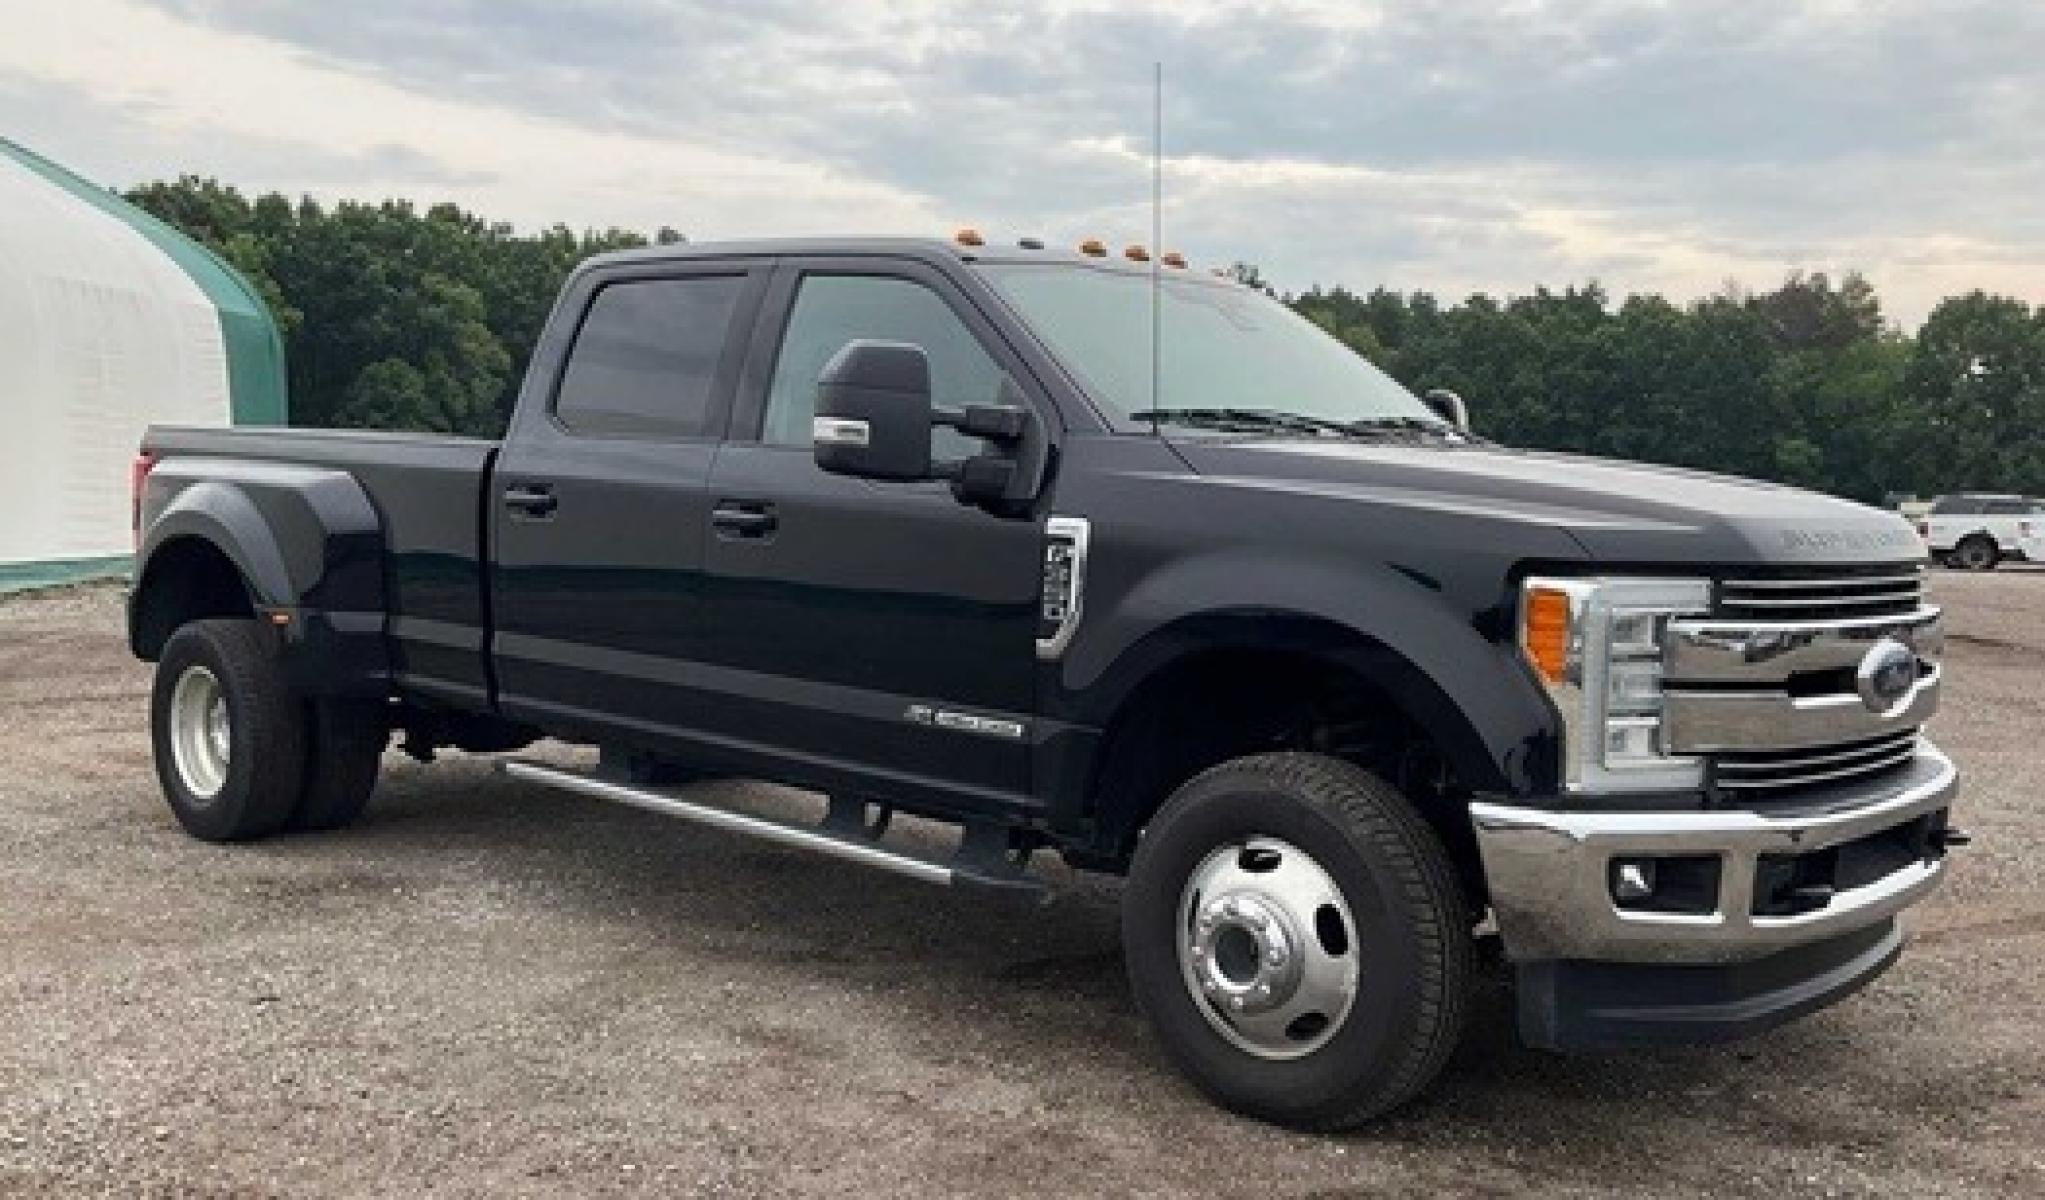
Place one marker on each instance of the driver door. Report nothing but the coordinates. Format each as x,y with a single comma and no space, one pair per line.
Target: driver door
884,631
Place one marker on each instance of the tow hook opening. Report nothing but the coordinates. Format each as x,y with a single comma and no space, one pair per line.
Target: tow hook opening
1790,885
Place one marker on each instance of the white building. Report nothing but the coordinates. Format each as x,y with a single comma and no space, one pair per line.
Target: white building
110,320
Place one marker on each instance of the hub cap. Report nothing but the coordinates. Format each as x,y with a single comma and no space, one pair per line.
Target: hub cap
200,735
1267,948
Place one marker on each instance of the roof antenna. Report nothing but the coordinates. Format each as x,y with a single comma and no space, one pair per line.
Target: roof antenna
1157,235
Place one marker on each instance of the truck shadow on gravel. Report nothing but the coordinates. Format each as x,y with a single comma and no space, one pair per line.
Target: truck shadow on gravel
1006,982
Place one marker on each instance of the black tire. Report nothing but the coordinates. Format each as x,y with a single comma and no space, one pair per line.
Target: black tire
1412,934
345,741
266,732
1976,553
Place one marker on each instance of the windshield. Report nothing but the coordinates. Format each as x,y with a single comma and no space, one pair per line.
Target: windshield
1231,357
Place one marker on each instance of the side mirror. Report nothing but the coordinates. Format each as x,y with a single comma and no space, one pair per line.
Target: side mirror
1449,407
873,416
874,419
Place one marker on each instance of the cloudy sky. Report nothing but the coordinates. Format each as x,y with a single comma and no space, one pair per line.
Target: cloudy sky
1438,144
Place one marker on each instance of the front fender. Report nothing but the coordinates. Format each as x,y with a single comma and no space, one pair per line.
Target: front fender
1405,633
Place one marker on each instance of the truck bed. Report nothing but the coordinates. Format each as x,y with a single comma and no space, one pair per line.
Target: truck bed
427,490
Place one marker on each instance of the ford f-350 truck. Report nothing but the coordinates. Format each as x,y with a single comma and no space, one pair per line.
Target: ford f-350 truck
1336,684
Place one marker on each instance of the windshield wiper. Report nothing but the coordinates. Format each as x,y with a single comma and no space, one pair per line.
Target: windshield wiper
1271,420
1404,424
1247,420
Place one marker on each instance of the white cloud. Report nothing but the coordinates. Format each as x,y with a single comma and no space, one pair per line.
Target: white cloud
199,93
1420,144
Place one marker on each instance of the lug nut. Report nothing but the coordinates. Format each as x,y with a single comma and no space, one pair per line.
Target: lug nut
1236,1004
1277,956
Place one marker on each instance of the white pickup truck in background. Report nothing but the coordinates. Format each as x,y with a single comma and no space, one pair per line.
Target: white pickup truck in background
1975,531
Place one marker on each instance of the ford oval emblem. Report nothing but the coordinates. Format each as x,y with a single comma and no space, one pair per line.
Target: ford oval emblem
1886,675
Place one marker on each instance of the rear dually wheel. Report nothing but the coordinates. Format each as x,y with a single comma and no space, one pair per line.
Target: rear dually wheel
229,736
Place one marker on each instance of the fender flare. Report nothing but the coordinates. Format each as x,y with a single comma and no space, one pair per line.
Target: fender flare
304,539
1397,630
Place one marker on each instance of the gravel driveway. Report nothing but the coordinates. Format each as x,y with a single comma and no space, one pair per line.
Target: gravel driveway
488,988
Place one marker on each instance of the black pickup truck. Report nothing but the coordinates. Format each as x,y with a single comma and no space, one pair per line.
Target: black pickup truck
938,528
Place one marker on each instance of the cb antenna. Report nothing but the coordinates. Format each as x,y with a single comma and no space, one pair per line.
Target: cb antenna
1157,231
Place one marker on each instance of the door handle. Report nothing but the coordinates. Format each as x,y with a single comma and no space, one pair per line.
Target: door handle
744,519
532,500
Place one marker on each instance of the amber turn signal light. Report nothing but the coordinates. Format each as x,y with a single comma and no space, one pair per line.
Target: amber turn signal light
1094,248
1544,632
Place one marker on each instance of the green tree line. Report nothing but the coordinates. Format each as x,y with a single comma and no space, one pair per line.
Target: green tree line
403,319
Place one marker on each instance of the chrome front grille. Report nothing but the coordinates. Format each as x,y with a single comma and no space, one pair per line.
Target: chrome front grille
1772,688
1758,773
1831,595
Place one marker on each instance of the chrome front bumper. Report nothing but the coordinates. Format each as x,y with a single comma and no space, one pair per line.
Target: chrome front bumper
1549,873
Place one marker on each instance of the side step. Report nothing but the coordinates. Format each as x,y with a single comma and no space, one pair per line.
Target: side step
839,837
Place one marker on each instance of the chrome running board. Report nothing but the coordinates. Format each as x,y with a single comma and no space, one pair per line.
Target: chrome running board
839,838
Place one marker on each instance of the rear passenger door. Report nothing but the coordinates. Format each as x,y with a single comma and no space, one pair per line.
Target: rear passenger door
598,505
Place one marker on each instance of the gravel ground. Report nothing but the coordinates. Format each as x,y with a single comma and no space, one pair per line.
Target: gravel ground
491,988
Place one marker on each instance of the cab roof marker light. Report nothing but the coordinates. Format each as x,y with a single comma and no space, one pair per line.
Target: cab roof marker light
1031,243
969,237
1094,248
1136,254
1172,258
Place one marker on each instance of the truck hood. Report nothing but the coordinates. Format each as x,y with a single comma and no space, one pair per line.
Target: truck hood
1618,511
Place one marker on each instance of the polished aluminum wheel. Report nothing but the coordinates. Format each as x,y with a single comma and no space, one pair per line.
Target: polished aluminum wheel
200,733
1268,948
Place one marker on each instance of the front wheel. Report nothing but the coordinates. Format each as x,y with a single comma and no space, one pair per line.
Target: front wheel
1976,553
229,735
1296,935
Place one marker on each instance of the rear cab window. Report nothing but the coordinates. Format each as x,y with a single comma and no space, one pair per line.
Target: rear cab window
645,360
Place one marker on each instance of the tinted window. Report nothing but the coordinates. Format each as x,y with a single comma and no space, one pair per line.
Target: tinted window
831,310
646,357
2008,508
1955,506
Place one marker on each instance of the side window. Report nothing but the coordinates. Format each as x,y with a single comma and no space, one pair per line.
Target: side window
831,310
645,360
1954,506
2008,508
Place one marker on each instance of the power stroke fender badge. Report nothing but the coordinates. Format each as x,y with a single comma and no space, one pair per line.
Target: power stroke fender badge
965,722
1886,674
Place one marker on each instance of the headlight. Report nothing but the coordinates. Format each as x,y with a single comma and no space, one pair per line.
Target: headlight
1596,644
